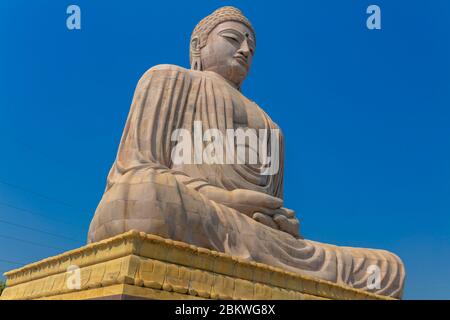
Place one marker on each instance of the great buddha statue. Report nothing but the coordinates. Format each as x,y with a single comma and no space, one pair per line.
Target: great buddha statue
230,206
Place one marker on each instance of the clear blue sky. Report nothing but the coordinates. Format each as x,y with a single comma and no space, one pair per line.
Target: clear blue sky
366,115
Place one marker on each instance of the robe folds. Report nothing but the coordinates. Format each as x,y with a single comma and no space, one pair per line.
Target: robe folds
147,192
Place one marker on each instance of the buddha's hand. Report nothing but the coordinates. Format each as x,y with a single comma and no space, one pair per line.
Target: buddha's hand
267,210
283,219
245,201
262,207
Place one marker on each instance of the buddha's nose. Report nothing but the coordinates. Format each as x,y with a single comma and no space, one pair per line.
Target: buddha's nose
244,49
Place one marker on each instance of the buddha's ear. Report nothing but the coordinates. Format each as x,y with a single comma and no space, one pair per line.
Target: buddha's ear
196,61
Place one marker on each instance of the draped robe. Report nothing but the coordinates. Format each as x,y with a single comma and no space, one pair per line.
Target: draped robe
147,192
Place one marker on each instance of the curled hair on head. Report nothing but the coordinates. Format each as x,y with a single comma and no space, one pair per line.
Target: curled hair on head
206,25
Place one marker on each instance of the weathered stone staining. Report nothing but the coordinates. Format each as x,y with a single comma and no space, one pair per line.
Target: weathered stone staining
229,208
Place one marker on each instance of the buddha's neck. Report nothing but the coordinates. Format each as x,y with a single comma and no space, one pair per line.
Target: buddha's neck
232,84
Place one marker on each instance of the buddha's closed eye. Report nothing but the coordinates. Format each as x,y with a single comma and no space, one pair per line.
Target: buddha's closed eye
231,38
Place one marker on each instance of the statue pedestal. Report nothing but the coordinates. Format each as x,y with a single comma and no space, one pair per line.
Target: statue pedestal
136,265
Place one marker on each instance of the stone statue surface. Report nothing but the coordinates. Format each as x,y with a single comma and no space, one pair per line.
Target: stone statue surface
227,207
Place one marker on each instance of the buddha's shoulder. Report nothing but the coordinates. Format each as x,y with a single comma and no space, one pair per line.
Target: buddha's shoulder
170,70
167,67
174,71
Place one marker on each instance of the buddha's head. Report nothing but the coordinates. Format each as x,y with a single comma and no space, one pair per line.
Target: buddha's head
223,42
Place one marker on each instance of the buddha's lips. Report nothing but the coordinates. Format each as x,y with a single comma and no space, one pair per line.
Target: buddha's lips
241,59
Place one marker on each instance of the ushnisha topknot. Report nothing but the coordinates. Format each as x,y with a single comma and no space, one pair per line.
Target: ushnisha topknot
207,24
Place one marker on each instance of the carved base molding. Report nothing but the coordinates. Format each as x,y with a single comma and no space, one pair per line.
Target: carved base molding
142,266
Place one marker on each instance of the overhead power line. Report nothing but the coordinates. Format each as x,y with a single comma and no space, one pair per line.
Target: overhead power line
40,231
13,262
30,242
5,204
43,196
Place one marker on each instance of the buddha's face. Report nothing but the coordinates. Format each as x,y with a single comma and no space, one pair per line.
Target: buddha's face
229,51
